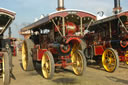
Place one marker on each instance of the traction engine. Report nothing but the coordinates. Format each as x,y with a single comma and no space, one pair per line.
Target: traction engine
55,41
107,39
6,18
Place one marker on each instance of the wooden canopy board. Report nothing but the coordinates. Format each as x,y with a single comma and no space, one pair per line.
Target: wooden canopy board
58,15
103,23
6,17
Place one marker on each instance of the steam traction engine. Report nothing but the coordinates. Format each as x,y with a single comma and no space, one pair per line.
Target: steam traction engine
107,40
6,18
55,40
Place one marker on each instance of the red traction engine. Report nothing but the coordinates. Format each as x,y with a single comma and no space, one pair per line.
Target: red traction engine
107,41
6,18
55,41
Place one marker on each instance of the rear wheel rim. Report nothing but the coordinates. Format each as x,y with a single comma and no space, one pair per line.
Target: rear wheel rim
24,56
46,66
109,60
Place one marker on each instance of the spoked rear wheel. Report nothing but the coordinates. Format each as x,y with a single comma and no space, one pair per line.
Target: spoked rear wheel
78,62
6,70
110,60
47,65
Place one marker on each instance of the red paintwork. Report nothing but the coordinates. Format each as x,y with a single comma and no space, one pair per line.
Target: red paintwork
74,39
64,62
58,14
1,55
40,53
122,58
14,51
8,12
65,51
82,14
123,14
13,45
70,28
0,61
67,64
126,58
98,50
53,50
124,44
78,13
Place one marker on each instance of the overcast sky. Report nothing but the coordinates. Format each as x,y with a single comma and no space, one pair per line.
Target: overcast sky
28,10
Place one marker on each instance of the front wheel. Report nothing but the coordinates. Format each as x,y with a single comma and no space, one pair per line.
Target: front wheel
78,62
5,68
47,64
110,60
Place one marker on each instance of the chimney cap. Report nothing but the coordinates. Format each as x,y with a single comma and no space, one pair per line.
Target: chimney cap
117,8
60,5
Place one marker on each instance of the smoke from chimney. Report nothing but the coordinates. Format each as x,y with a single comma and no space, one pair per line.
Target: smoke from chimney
117,8
60,5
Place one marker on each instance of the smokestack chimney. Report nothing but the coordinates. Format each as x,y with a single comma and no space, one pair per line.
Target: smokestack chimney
60,5
9,32
117,8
